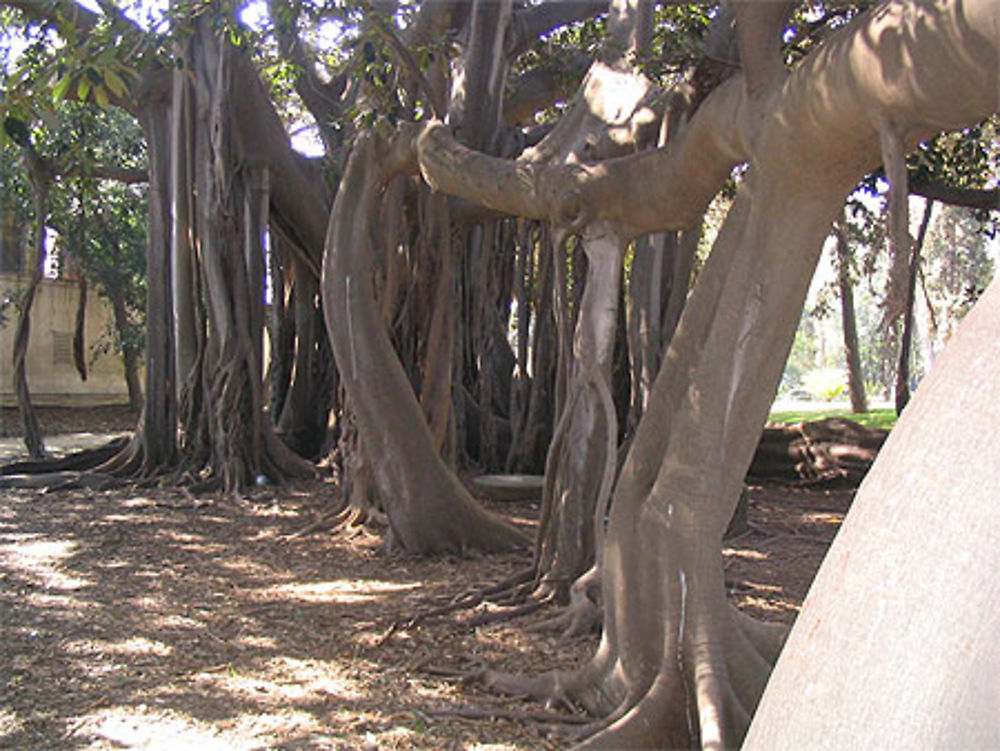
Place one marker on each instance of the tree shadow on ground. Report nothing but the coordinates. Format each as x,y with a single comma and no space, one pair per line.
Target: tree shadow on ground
151,619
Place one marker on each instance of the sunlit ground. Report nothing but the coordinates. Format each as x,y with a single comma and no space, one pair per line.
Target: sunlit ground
148,621
156,621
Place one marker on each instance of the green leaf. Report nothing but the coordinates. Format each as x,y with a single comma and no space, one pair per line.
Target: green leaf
60,89
101,96
114,82
83,88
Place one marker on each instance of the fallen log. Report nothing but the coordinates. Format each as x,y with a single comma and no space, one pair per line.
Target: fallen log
832,450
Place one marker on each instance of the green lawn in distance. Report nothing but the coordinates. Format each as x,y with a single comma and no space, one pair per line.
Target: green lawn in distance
877,418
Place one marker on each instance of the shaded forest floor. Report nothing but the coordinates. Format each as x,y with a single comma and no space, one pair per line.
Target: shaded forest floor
150,619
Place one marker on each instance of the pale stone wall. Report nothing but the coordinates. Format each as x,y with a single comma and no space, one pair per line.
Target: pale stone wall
52,377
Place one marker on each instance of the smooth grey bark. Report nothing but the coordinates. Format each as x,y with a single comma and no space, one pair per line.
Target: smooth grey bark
896,644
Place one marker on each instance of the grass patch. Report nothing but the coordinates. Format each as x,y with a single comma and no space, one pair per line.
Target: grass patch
877,418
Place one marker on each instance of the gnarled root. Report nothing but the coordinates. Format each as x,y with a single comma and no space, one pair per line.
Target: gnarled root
680,668
583,614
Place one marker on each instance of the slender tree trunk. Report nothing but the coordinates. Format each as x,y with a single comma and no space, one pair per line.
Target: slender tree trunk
40,178
583,455
906,337
183,214
852,351
130,354
439,348
159,421
80,330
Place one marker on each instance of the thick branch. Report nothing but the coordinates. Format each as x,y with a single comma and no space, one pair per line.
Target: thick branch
973,198
534,20
679,182
758,29
540,88
321,98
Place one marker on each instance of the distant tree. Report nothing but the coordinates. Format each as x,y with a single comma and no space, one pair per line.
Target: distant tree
102,222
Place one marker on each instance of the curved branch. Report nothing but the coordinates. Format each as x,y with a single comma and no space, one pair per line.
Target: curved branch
678,182
533,21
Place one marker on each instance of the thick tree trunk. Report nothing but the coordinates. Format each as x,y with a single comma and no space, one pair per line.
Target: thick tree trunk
429,510
224,176
677,666
896,644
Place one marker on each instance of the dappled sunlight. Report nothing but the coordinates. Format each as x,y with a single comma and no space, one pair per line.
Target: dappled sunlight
10,723
136,646
211,627
340,591
206,626
46,600
825,518
748,555
285,680
768,608
155,730
39,559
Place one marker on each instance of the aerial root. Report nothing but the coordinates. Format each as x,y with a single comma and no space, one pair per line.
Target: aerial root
546,723
336,517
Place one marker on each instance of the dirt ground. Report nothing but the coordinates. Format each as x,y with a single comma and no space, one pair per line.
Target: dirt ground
154,620
57,420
